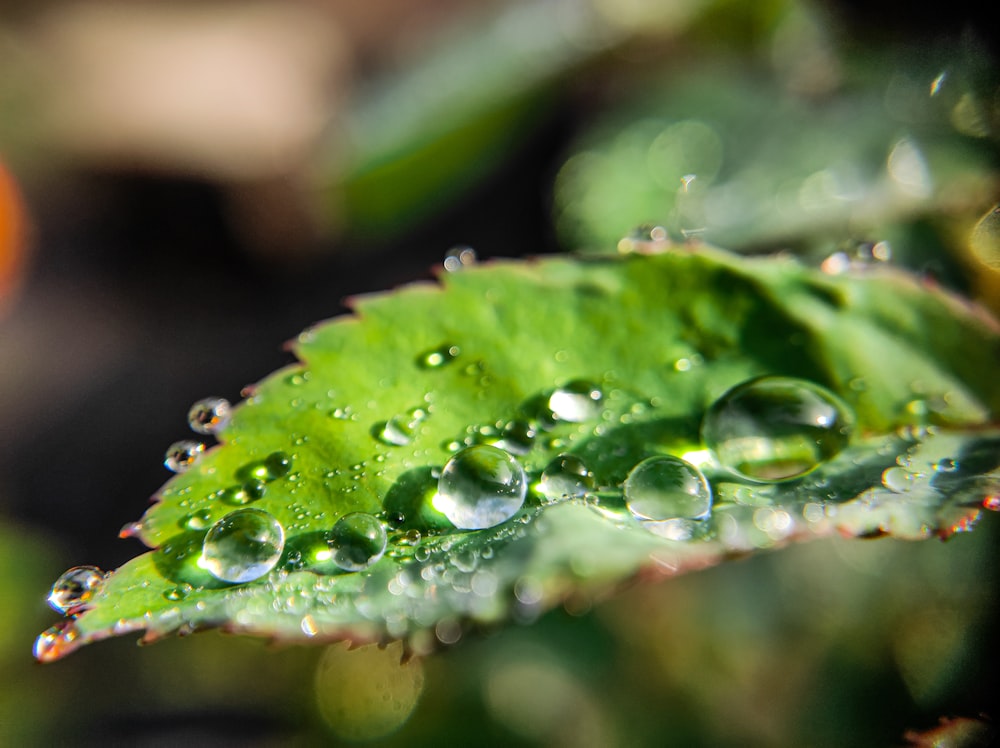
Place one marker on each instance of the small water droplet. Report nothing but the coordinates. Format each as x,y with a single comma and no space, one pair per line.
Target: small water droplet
411,538
576,401
897,479
517,437
645,239
776,428
177,593
357,541
251,490
945,465
56,641
459,257
198,520
565,477
479,487
275,465
243,546
399,430
435,358
181,455
74,588
665,487
208,415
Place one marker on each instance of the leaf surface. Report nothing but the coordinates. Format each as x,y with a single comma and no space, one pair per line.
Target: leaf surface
384,398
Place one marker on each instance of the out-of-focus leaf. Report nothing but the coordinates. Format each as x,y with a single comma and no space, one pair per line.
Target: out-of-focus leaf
735,160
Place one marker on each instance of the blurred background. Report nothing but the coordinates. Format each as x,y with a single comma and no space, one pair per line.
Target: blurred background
184,186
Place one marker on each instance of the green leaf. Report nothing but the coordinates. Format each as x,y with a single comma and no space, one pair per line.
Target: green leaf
383,399
735,159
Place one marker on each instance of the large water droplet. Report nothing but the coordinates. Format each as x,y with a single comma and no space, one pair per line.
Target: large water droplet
566,477
242,546
776,428
209,415
357,541
480,487
665,487
182,455
74,588
576,401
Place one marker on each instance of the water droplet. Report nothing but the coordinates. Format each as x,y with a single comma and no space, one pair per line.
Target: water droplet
480,487
897,479
399,430
208,415
945,465
776,428
438,357
275,465
178,593
243,546
410,539
56,641
182,455
458,258
74,588
251,490
198,520
665,487
984,239
566,477
517,437
357,541
645,239
130,530
576,401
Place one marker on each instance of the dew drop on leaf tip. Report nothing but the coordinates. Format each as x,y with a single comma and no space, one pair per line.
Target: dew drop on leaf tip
56,641
480,486
182,454
242,546
208,415
74,588
775,428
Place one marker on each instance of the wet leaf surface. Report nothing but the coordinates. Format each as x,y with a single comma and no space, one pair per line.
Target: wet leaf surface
610,361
